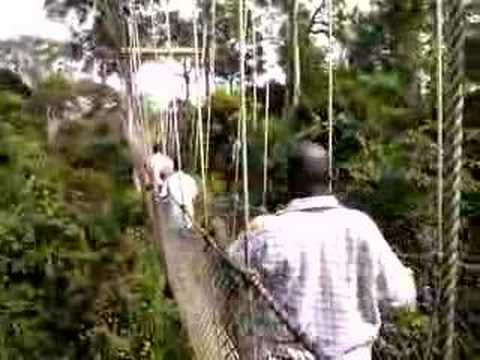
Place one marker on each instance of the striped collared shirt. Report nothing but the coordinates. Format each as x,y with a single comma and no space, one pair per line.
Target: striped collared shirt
329,267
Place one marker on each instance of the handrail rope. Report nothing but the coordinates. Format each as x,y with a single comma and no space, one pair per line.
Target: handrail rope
199,119
330,95
455,40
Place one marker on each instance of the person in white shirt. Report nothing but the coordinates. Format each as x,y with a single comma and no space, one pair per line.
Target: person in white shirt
327,265
159,167
181,190
177,187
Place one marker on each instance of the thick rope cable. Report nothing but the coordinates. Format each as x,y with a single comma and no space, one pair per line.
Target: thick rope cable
454,78
330,95
440,165
199,119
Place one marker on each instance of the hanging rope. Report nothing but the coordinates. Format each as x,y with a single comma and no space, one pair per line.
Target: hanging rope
211,74
265,145
243,115
255,63
330,95
199,119
454,79
296,55
266,124
243,124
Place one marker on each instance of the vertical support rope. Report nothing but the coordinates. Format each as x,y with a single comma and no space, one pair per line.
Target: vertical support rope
296,55
254,72
169,32
265,144
455,39
212,51
246,205
177,135
330,95
266,124
199,120
243,115
439,45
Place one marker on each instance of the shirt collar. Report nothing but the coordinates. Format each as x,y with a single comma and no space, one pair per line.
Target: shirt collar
322,201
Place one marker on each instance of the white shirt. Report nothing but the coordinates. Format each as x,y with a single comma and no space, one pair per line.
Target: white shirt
329,266
181,189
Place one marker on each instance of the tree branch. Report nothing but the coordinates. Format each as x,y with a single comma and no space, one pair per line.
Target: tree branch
316,12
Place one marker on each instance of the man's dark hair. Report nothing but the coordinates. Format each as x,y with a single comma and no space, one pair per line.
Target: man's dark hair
307,169
156,148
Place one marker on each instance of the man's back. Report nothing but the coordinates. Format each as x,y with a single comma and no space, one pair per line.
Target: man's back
329,266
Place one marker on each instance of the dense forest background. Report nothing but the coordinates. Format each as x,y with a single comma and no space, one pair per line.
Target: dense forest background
81,277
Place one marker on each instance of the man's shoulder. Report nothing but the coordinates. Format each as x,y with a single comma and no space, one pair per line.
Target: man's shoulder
263,222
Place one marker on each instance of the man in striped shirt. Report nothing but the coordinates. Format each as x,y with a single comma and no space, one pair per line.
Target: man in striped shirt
327,265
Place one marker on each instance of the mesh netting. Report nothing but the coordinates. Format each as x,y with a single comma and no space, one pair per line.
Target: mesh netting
215,298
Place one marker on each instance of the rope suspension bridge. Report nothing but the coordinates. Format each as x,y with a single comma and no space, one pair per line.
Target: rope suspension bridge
206,283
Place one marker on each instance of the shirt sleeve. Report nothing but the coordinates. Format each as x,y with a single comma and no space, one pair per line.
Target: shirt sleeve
395,281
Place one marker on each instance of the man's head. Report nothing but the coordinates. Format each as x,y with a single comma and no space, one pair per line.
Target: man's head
156,148
307,170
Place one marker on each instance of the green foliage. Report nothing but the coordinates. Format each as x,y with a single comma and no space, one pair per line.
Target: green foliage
471,204
9,81
225,107
78,276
